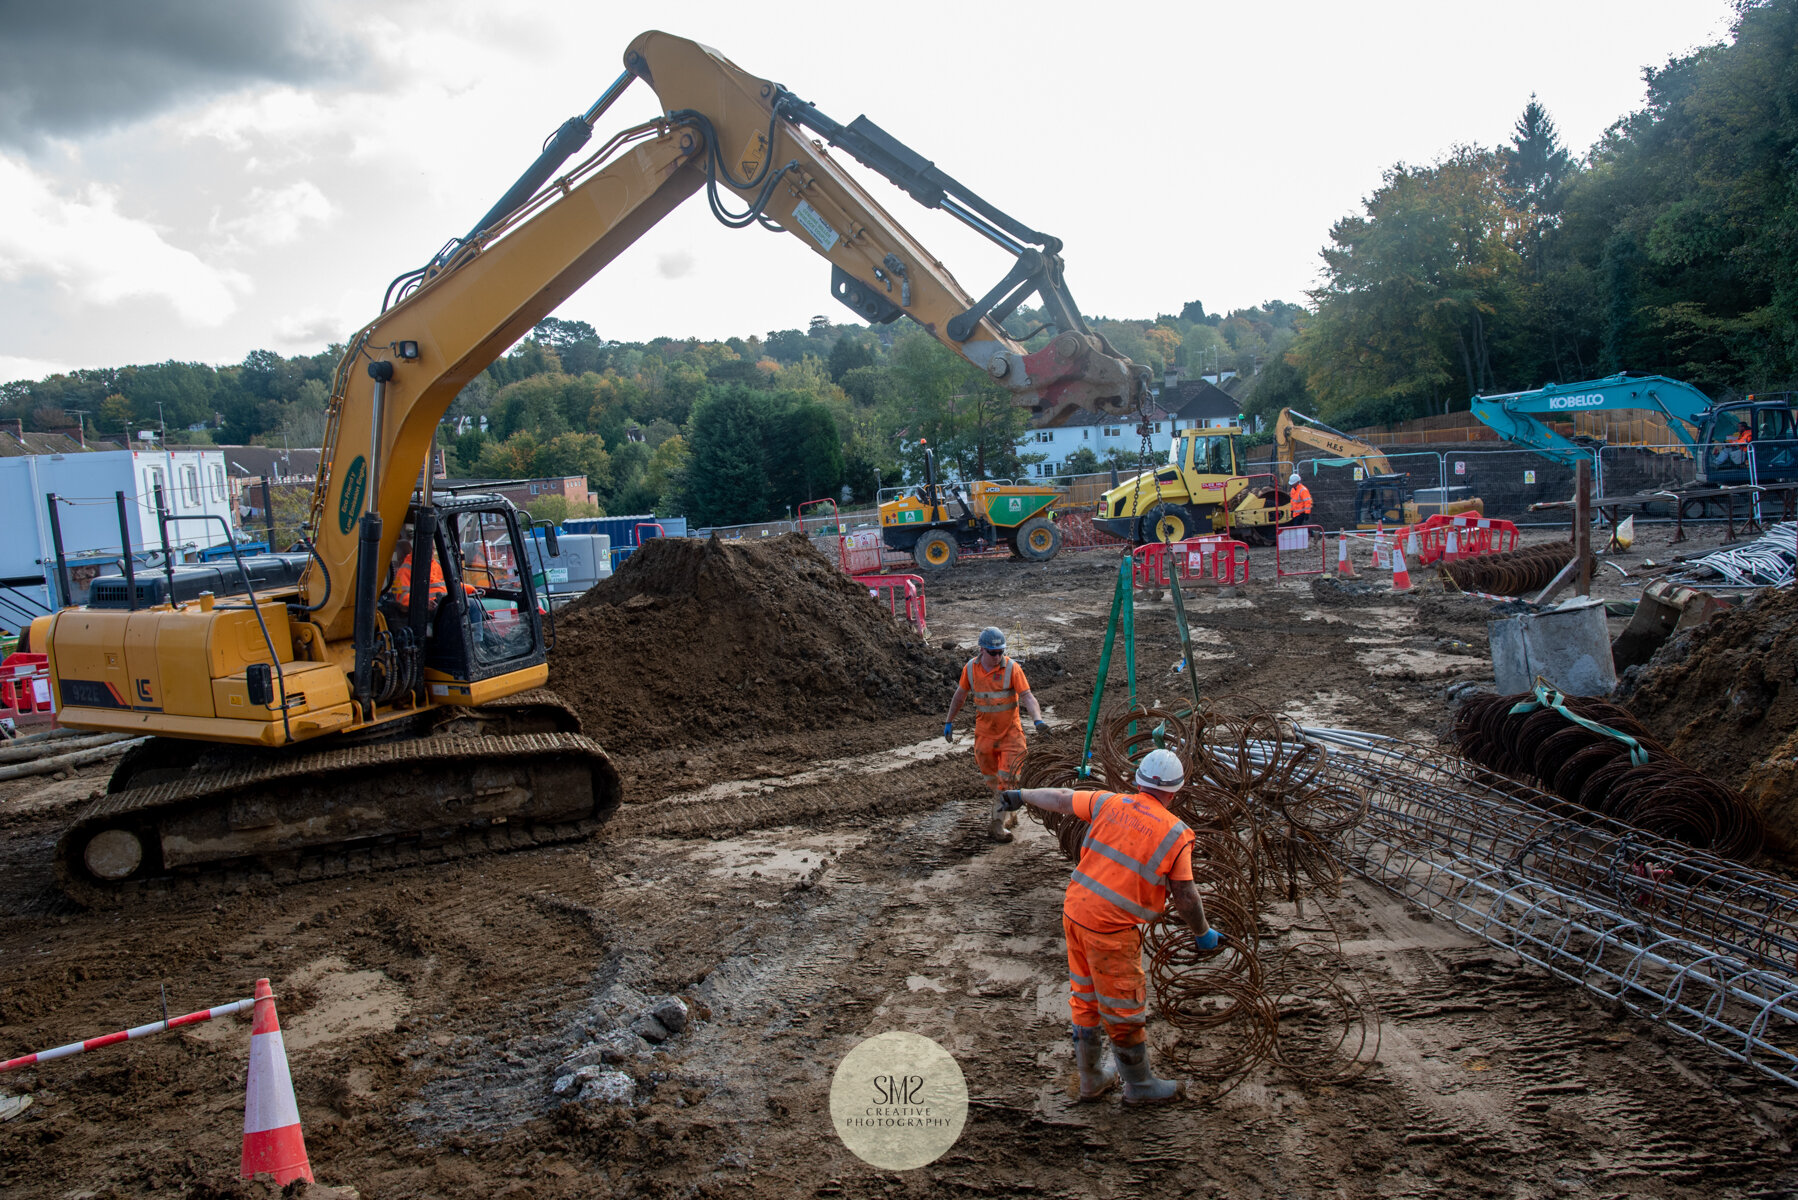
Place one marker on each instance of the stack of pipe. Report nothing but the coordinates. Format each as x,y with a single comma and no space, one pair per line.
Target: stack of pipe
1513,573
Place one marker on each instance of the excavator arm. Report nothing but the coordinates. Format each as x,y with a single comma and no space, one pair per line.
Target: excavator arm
741,139
1518,416
1289,435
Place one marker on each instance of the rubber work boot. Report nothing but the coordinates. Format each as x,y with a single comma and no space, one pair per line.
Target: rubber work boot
1140,1084
1089,1056
997,827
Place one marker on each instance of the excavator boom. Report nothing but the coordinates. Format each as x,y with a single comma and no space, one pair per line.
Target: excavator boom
1518,416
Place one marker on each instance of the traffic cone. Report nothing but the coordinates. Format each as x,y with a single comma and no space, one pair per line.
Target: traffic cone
1452,553
1401,574
1344,567
1411,545
272,1140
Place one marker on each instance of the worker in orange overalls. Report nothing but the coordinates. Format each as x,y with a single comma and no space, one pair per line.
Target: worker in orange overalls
999,690
1136,853
1299,499
402,576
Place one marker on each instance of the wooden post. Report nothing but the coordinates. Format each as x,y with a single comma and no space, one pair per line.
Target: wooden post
1582,527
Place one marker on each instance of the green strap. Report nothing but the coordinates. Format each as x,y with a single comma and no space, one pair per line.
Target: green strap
1638,755
1121,606
1192,676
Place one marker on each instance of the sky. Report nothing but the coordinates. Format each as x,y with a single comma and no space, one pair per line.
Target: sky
197,179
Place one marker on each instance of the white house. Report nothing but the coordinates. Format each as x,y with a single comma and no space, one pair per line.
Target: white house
1192,404
191,483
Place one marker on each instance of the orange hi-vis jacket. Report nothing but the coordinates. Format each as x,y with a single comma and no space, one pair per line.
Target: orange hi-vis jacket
995,695
1301,499
1133,848
402,582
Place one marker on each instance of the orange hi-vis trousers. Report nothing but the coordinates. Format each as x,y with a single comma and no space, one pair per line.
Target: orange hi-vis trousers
998,761
1106,982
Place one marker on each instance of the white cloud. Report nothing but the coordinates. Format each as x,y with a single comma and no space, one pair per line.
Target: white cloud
674,264
13,367
276,216
100,255
310,329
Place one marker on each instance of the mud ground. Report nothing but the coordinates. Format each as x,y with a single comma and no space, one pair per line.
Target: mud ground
805,889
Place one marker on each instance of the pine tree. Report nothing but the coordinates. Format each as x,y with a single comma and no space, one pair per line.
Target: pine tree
1535,162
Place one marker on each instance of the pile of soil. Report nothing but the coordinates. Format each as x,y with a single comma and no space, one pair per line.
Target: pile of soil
695,640
1724,697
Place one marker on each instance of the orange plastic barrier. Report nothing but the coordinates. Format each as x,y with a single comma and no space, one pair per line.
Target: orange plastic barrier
1212,556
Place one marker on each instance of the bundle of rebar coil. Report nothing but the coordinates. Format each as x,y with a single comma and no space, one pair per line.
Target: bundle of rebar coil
1264,820
1513,573
1646,787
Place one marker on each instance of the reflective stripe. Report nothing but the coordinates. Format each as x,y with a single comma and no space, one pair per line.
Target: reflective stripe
1167,843
1086,979
1121,1005
1138,1019
1104,893
1124,860
1007,694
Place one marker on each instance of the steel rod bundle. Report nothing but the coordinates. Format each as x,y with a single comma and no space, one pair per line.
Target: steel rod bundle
1705,947
1632,777
1262,824
1528,569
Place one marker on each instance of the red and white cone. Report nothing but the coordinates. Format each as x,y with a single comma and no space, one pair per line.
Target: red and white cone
1344,567
1411,544
272,1140
1452,553
1401,574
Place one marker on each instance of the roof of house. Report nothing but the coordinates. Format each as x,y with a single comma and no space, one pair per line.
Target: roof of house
267,462
1197,400
13,445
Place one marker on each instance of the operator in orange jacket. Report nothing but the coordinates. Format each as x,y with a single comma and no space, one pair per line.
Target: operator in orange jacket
1136,853
999,690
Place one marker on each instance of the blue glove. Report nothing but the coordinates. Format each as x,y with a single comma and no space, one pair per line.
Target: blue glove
1011,801
1207,941
1042,727
948,731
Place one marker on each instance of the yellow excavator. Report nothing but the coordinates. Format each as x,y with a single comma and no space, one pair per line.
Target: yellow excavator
1382,495
376,700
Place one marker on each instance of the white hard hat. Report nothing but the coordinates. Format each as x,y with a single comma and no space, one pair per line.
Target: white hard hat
1294,478
1161,770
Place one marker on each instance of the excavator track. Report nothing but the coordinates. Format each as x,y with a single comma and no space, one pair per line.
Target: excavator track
459,782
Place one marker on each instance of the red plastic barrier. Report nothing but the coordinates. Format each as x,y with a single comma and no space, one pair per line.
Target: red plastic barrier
25,690
1212,556
1474,534
1293,540
861,553
909,588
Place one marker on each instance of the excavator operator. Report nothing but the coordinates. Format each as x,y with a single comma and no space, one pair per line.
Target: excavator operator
1734,449
402,575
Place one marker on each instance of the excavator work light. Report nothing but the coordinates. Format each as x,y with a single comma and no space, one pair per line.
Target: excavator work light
407,350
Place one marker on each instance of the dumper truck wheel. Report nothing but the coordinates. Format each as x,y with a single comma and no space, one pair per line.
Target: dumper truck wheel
935,551
1038,539
1166,523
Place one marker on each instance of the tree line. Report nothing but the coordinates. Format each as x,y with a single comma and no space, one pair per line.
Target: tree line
1669,247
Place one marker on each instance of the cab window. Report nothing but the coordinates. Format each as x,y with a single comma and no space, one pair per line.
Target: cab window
499,616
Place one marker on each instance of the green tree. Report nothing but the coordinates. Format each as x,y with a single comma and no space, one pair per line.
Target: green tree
727,476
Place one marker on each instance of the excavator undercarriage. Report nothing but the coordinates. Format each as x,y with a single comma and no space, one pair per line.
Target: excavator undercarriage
186,816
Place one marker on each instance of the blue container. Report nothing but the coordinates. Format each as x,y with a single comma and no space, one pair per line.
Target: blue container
623,530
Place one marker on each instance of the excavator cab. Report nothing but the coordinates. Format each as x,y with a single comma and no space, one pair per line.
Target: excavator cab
482,618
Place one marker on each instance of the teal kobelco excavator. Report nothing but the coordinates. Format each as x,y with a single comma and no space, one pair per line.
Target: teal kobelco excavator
1751,440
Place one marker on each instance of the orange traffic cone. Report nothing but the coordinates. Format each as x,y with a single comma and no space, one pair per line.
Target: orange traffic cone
1401,574
1344,567
272,1141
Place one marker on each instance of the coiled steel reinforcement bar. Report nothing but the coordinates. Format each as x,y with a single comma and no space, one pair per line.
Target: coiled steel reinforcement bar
1705,947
